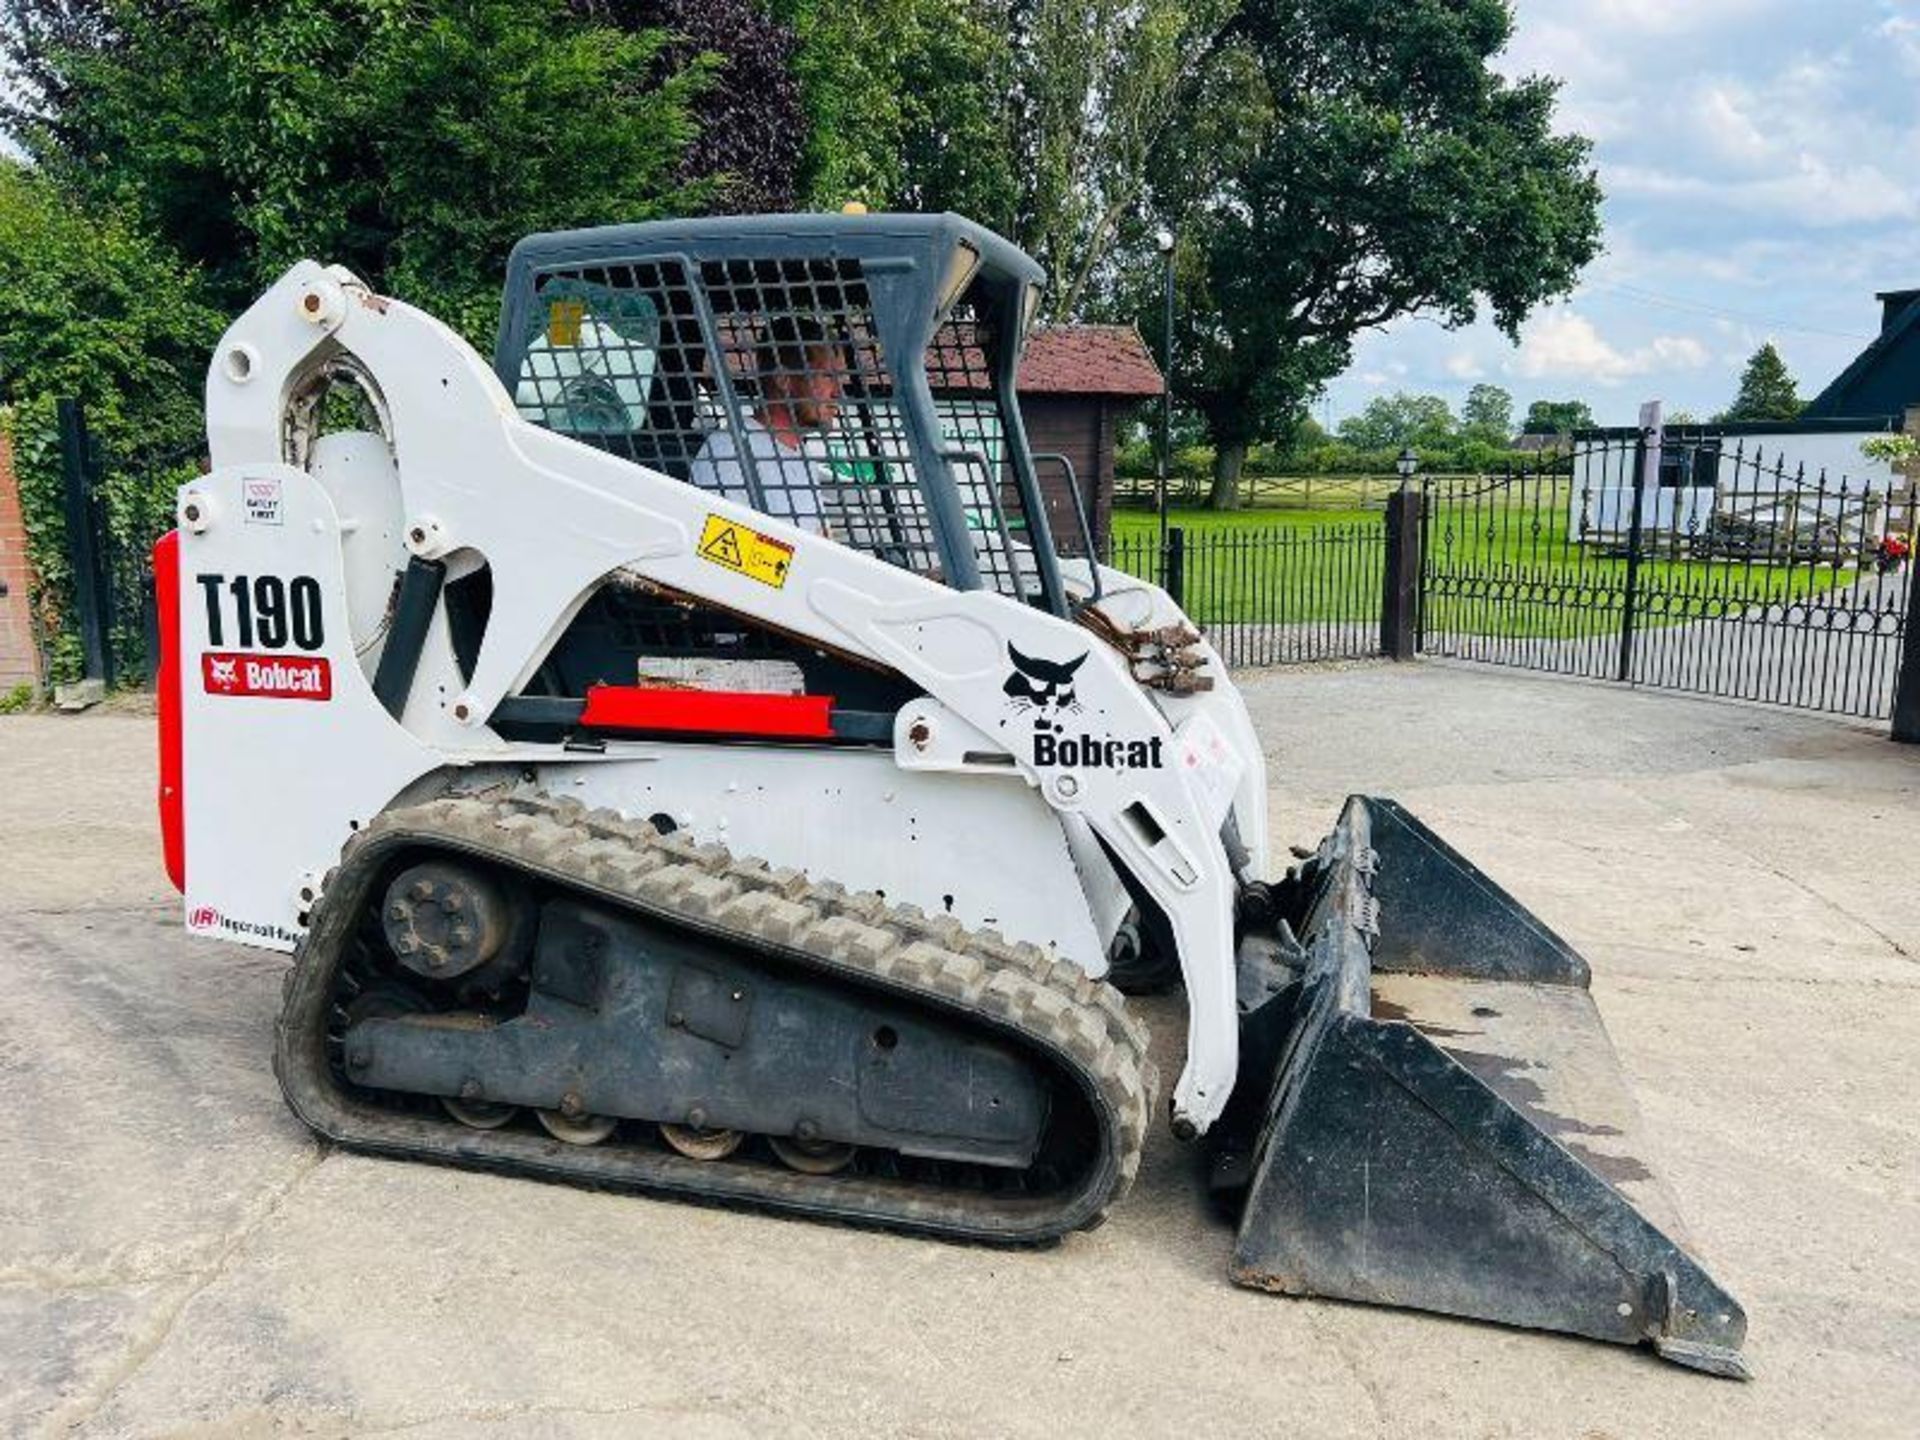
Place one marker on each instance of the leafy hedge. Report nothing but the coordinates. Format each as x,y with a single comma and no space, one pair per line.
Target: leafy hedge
93,310
1137,460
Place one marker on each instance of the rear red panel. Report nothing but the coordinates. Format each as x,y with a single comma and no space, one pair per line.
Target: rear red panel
173,818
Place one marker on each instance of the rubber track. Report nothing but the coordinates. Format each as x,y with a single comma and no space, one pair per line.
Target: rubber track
1081,1025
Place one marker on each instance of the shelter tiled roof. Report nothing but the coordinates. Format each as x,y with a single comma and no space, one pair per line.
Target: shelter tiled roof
1088,360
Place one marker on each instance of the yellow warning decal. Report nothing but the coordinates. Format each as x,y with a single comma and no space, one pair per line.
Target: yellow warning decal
731,545
564,319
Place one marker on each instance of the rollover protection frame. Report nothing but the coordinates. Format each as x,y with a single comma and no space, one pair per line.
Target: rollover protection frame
1431,1114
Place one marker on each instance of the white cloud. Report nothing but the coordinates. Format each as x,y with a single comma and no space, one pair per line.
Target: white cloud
1462,365
1755,155
1902,34
1666,17
1559,344
1721,116
1809,192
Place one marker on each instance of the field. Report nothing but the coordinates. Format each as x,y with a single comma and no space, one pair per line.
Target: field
1510,569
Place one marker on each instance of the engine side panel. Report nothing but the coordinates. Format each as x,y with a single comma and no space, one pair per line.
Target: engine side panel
986,849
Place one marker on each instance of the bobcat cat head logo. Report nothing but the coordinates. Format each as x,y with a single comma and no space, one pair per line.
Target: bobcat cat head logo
223,673
1043,686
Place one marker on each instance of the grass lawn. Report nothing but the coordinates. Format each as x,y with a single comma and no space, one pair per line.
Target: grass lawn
1139,525
1503,570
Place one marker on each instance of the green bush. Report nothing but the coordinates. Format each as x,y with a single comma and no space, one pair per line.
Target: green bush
412,142
93,310
1136,460
1897,450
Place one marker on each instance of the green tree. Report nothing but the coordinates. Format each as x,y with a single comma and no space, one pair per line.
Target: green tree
1767,390
1345,164
1487,415
1097,87
1307,434
413,140
1558,417
905,105
751,123
1393,422
1038,117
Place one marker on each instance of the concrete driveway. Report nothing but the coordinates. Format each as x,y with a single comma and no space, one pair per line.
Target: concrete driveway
176,1255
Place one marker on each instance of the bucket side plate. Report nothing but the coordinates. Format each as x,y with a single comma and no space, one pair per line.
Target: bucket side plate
1454,1142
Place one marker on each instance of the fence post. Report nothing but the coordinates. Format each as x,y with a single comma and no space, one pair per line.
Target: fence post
1646,456
1176,565
89,578
1906,679
1400,592
1906,691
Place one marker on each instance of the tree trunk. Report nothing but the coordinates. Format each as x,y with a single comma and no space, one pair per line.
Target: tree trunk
1228,457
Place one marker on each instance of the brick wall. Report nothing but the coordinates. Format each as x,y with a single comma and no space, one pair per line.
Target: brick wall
19,659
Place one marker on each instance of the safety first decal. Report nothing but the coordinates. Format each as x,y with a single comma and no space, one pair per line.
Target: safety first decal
732,546
264,501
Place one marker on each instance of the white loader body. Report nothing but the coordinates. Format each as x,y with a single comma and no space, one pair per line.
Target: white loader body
287,750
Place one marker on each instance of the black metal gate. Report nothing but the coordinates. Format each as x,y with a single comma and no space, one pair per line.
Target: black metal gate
1272,595
1683,561
116,506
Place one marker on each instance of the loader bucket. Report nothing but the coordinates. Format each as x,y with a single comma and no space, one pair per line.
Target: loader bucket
1431,1115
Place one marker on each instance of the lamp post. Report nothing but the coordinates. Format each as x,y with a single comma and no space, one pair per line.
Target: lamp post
1400,604
1163,242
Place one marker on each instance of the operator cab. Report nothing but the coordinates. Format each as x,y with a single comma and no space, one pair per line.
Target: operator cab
849,374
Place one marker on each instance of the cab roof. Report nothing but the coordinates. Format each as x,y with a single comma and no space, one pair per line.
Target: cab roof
882,236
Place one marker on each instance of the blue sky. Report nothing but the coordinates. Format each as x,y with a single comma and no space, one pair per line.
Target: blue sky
1761,160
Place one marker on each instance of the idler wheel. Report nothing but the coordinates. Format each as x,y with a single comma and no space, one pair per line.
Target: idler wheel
812,1157
443,919
698,1144
578,1130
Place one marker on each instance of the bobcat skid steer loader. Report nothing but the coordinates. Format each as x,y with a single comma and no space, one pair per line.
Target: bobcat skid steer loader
686,756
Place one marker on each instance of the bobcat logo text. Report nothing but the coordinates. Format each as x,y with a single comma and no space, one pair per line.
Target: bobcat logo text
1043,690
